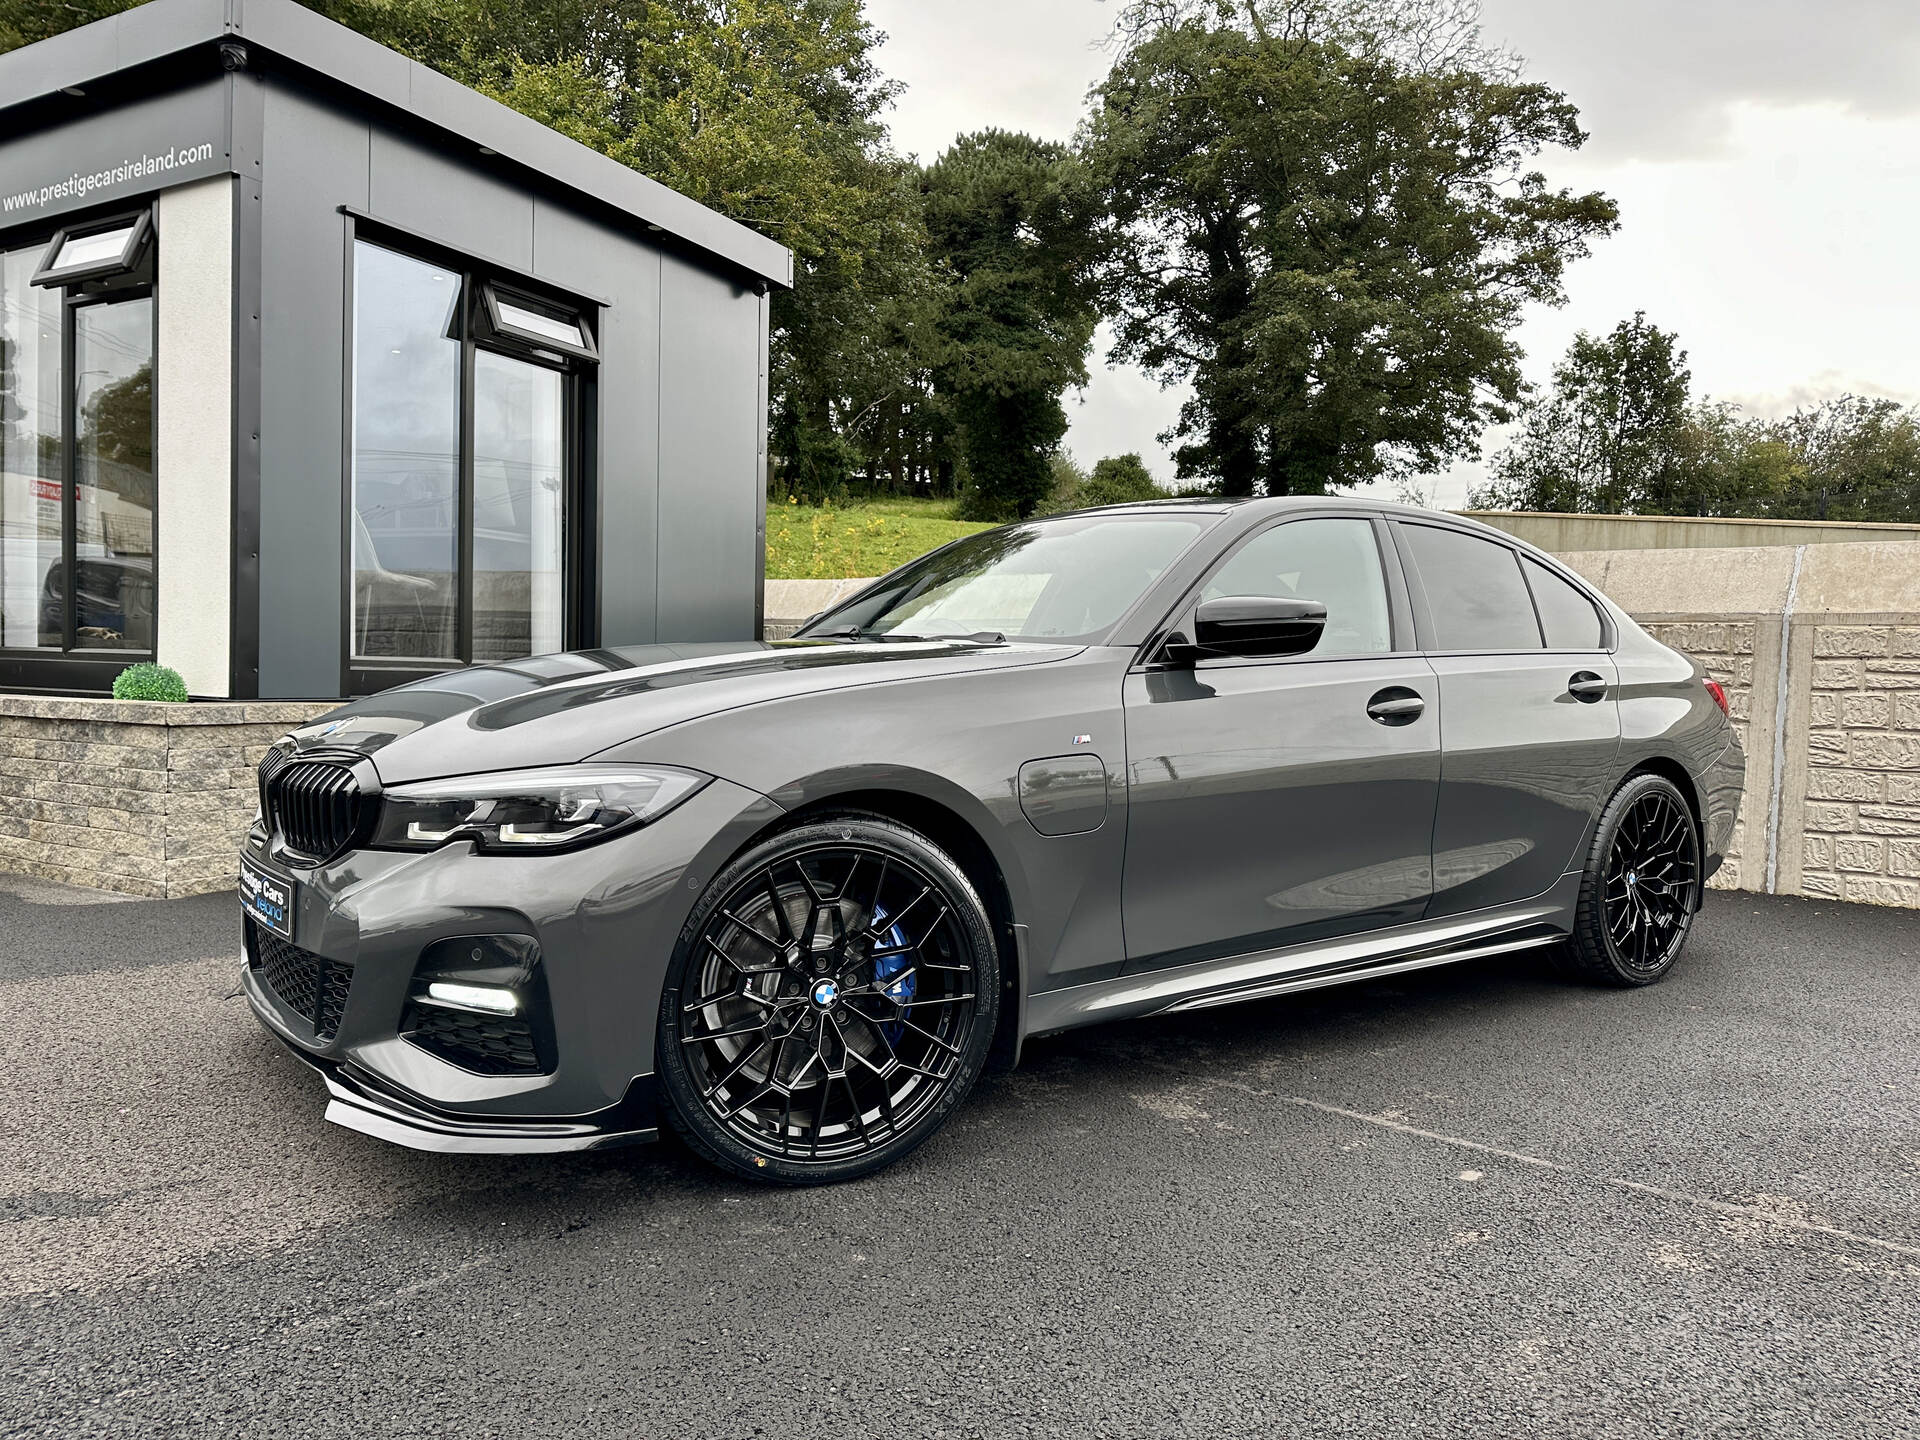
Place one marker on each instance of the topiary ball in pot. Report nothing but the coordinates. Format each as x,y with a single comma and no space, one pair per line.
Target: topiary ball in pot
150,682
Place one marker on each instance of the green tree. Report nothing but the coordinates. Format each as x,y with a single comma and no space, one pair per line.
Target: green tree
1852,458
1611,433
24,21
1119,479
1116,480
1010,222
1328,225
770,111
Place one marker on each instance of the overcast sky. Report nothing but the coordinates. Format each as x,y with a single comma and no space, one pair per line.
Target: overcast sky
1765,155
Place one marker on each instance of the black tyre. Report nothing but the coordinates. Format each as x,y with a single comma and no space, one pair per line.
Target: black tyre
1640,887
829,1004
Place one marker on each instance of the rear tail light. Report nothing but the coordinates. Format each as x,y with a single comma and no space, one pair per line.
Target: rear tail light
1719,695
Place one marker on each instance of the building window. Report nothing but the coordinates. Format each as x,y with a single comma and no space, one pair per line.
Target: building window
465,405
77,483
98,251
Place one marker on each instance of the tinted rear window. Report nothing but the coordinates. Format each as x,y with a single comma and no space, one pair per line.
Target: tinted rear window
1474,591
1568,617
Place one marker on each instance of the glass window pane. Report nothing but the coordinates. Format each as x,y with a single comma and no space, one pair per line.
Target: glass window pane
94,249
1045,580
519,472
31,396
534,322
1569,617
113,476
1474,589
1334,561
406,457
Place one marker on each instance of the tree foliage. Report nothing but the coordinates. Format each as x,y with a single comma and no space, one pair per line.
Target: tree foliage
1610,434
1010,221
24,21
770,111
1119,479
1330,243
1618,432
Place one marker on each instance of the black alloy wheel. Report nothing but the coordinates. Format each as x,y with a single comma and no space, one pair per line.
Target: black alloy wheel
1641,886
831,1000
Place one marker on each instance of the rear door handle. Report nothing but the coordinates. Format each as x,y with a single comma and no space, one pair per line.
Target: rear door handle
1586,686
1396,705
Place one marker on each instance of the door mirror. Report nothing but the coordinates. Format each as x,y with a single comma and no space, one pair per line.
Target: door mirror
1254,626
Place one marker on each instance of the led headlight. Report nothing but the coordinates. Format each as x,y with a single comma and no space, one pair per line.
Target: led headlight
521,810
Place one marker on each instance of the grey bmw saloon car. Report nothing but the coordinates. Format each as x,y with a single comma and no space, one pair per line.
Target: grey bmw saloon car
793,899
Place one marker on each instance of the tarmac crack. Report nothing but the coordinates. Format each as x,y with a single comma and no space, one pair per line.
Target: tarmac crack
1753,1213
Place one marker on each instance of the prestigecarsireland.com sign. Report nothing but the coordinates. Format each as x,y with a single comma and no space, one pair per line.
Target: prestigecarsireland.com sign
117,153
78,186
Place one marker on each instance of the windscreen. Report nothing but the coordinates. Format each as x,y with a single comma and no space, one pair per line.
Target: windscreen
1067,580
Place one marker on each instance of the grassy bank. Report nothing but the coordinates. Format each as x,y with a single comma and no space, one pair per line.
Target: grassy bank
868,537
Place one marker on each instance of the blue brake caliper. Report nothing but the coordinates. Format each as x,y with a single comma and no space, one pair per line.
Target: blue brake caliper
885,967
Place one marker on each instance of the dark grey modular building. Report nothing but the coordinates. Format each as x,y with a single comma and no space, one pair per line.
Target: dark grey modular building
320,372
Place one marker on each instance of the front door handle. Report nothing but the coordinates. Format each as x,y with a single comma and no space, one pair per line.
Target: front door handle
1585,686
1396,705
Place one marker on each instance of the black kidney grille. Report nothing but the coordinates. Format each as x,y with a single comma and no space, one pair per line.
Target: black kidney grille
316,806
310,985
275,761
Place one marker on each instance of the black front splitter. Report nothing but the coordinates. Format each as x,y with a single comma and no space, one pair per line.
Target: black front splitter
360,1101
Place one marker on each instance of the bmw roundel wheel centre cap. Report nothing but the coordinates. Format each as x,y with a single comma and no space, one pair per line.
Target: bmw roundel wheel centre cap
825,993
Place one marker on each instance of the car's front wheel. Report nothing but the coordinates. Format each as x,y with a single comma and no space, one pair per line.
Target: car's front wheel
1639,888
830,1002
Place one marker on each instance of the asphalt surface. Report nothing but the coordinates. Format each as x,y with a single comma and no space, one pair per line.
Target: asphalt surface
1474,1201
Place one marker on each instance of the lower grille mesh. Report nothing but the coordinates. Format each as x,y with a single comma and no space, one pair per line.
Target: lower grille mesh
310,985
488,1044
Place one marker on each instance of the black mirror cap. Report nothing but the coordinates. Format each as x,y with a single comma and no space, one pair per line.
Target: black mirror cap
1257,625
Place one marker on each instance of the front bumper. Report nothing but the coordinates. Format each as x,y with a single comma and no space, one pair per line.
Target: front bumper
359,1101
606,920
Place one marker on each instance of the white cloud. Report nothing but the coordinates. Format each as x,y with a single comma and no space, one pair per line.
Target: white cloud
1656,78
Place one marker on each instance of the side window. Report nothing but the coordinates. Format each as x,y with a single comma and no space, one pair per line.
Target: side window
1474,591
1569,618
1333,560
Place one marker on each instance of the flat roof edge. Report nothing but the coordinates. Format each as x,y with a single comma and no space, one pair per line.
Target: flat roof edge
290,31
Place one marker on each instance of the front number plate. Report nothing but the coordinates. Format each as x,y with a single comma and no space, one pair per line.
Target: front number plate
267,899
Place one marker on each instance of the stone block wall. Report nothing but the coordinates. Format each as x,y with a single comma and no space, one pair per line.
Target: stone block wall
1861,836
1726,647
137,797
1818,647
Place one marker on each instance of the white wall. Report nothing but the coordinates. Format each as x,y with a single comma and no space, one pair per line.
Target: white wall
194,459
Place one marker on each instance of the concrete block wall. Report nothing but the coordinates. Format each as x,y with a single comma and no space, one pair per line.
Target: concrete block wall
1819,649
1572,534
791,603
1726,647
141,798
1861,837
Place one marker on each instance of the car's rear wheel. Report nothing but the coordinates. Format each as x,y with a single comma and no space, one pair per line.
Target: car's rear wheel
1640,886
831,1001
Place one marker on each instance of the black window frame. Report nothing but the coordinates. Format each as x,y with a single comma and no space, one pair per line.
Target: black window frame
1403,635
479,280
497,332
1423,612
131,258
71,670
1528,558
